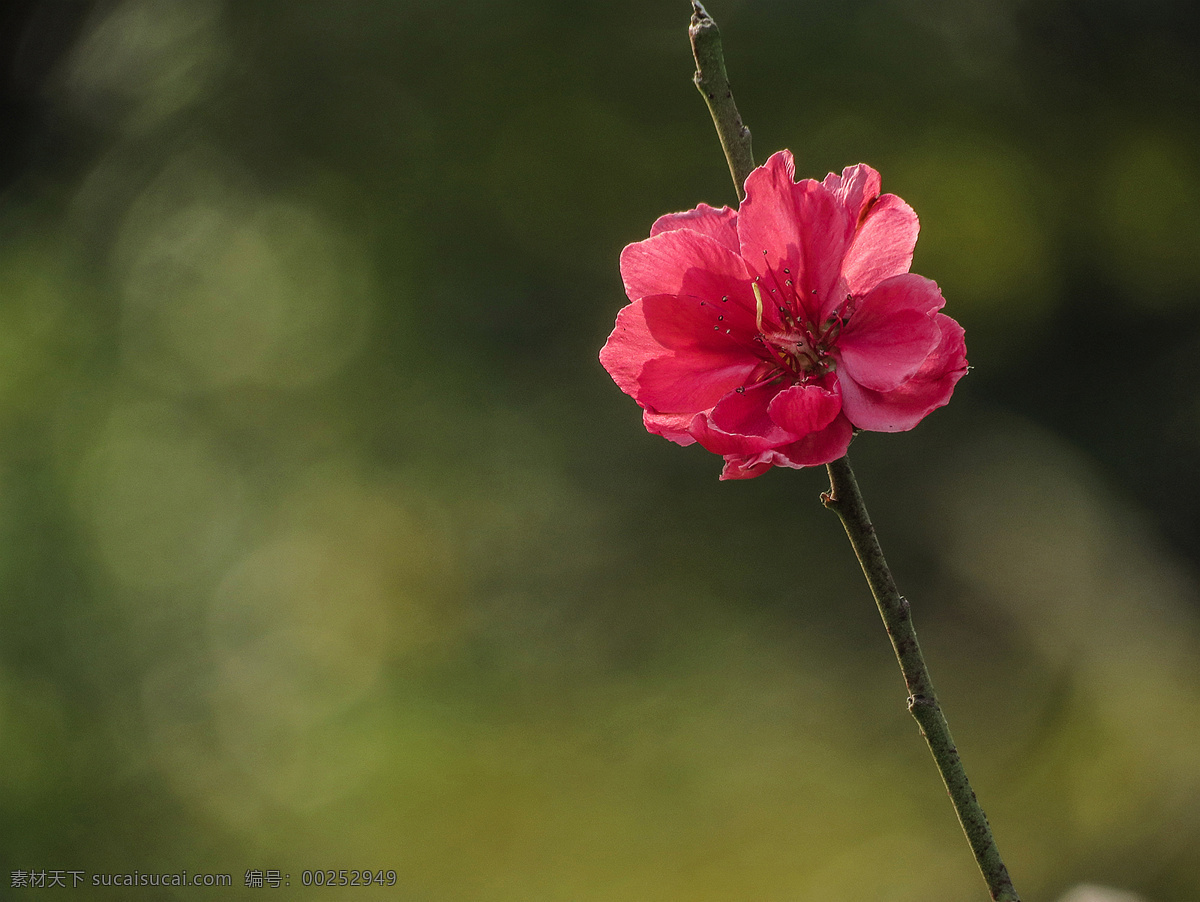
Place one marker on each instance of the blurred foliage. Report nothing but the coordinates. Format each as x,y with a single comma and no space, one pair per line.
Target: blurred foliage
328,544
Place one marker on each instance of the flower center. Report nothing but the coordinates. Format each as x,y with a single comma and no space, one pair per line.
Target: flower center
798,349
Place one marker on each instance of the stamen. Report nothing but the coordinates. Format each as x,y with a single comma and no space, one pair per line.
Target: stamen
758,307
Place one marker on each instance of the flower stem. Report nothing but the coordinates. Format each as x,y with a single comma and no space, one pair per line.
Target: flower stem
845,499
713,83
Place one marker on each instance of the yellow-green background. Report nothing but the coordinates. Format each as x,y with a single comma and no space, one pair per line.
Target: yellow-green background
325,542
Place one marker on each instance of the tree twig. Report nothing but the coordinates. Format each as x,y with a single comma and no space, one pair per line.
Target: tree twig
713,83
845,499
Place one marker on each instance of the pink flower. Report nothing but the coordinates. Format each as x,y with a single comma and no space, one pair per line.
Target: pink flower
771,333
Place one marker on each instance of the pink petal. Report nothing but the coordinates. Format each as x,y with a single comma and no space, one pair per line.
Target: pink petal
671,426
739,423
747,466
686,378
890,332
930,388
882,246
684,263
805,409
855,189
718,224
690,383
793,231
684,323
628,348
819,448
811,451
907,291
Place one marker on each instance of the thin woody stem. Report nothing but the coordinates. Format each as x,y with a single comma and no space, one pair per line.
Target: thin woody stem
845,499
713,83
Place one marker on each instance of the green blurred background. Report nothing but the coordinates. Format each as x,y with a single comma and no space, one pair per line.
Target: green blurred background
327,543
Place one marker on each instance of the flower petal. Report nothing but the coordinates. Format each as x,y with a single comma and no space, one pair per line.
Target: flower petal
805,409
747,466
686,378
930,388
819,447
684,263
883,245
718,224
628,348
690,383
855,189
671,426
811,451
793,231
685,324
890,333
739,423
